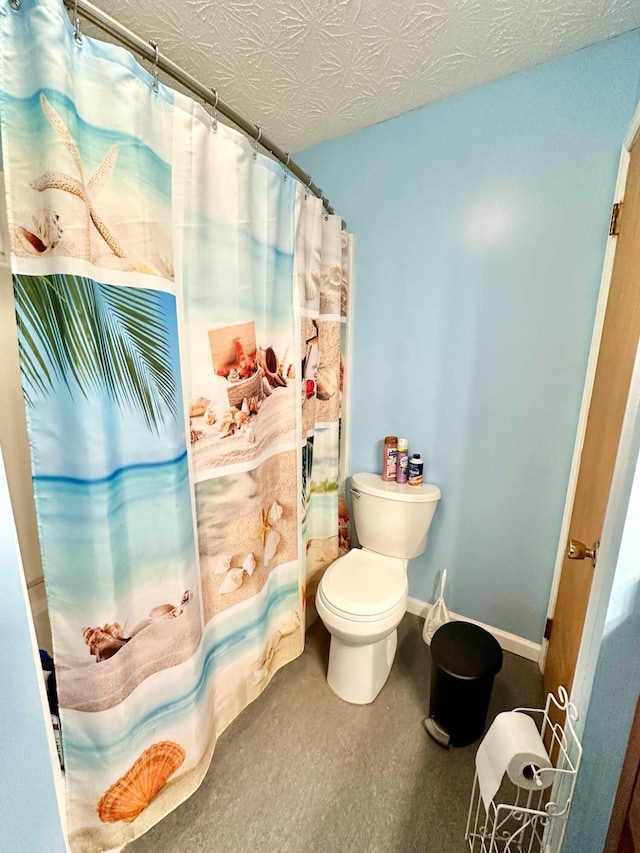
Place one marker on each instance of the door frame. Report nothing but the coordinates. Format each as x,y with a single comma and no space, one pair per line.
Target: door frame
627,462
605,281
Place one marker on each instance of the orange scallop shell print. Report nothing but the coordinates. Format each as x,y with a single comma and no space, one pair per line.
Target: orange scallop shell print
134,790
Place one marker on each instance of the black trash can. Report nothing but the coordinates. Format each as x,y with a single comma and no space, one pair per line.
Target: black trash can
464,661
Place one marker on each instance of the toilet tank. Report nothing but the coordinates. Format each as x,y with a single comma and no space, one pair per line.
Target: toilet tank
392,518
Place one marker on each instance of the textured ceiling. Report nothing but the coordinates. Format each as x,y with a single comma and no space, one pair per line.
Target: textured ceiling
310,70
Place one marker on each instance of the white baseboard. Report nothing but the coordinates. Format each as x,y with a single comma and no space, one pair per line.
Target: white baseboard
508,642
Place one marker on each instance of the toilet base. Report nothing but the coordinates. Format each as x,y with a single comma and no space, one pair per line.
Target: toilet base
358,673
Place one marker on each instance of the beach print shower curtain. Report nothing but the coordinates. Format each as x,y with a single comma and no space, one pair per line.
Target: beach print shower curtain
181,308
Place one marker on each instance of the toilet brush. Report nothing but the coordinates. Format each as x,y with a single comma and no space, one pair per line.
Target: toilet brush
437,615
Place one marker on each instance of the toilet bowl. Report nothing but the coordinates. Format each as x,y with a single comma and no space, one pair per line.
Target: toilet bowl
361,600
363,595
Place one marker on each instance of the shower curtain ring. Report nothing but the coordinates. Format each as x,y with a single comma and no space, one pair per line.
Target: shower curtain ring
214,113
256,141
154,68
285,166
77,35
307,188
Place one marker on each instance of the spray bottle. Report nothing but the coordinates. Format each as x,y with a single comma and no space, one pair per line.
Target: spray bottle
402,461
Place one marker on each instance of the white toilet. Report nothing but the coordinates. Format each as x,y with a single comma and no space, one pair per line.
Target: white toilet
363,595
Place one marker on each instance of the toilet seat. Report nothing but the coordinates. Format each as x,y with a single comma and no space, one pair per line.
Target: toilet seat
352,618
364,586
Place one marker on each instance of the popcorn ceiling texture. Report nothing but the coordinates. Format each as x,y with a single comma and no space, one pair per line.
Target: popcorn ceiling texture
311,70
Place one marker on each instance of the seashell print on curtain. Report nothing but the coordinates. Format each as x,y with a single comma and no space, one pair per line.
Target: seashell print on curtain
322,271
166,352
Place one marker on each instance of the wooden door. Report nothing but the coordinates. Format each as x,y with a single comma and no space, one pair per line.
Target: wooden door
618,345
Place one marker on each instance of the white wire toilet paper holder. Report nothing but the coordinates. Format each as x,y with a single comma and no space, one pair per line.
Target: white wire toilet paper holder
518,820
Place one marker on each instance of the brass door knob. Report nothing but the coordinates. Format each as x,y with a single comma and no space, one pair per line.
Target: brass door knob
578,551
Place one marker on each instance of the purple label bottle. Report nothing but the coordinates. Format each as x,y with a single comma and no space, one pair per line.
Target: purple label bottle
402,461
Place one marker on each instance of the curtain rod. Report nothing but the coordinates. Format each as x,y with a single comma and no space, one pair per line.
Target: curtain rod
150,51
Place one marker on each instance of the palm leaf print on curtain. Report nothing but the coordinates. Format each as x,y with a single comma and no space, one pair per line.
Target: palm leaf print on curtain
92,337
166,387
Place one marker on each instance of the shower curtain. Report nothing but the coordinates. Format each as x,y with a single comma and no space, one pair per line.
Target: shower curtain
181,307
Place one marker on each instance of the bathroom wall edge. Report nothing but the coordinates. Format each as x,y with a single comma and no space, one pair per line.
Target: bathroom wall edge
508,642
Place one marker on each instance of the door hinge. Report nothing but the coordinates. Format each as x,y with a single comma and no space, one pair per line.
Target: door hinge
614,224
547,629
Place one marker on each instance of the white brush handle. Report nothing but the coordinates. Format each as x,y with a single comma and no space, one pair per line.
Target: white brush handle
443,582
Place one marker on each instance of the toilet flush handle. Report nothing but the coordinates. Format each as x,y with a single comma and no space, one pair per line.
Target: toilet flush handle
355,493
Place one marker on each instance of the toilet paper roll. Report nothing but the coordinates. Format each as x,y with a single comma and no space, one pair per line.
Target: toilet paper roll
513,746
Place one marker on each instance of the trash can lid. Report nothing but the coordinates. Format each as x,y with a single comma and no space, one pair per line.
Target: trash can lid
466,651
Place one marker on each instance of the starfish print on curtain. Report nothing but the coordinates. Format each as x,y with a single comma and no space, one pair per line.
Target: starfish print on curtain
83,190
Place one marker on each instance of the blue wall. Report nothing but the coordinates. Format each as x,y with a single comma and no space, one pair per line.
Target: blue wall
29,820
481,224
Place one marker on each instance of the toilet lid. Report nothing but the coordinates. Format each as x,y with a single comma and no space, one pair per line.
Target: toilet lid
363,583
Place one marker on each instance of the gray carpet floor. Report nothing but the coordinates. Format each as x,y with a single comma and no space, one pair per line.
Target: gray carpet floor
301,771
